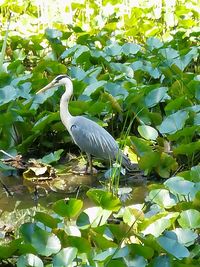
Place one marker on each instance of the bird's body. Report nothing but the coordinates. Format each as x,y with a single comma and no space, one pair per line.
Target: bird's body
87,134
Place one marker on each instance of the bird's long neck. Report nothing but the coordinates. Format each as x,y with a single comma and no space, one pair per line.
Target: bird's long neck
64,110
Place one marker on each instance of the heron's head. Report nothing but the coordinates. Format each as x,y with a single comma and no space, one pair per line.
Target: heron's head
58,81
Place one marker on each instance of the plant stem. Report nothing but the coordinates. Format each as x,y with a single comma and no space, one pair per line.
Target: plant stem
3,50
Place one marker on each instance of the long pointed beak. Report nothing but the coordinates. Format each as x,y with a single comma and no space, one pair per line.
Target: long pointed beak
48,86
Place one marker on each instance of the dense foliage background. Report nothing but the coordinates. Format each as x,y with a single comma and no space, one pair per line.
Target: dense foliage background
135,70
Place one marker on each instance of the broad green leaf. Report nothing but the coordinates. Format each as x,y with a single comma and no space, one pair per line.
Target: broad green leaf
115,253
114,263
52,157
78,73
93,217
68,208
141,146
146,66
93,87
197,119
178,185
30,260
53,33
157,227
184,61
163,198
169,53
145,251
122,68
137,261
9,249
65,257
44,121
187,149
113,50
82,244
149,161
7,94
130,49
104,199
81,54
189,219
166,165
186,237
163,260
173,123
154,43
170,244
115,89
44,243
101,241
70,51
156,96
147,132
46,219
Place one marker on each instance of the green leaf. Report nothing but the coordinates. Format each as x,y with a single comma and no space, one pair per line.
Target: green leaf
186,237
147,132
145,251
104,199
82,54
169,53
93,87
178,185
162,260
8,250
130,49
80,243
157,227
173,123
149,161
78,73
52,157
65,257
154,43
122,68
93,217
68,208
45,243
70,51
113,50
189,219
46,219
169,243
53,33
7,94
118,263
30,260
116,253
141,146
44,121
156,96
187,149
166,165
163,198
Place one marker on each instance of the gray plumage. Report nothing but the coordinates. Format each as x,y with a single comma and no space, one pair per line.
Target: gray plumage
87,134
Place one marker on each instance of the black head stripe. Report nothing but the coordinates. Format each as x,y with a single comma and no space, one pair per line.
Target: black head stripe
58,78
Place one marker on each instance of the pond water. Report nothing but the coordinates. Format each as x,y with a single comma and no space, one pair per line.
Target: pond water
19,193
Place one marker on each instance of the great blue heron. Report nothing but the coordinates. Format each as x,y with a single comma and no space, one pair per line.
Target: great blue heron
87,134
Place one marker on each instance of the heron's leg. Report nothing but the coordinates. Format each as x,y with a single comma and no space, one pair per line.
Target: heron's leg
89,164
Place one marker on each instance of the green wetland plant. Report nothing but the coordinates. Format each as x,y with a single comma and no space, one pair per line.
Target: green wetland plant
163,231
